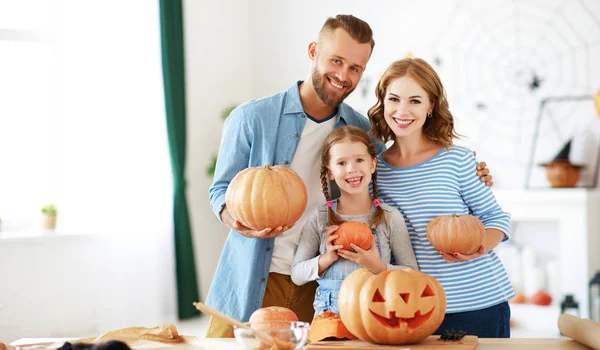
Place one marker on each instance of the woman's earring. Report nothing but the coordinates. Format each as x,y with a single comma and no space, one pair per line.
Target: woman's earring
429,115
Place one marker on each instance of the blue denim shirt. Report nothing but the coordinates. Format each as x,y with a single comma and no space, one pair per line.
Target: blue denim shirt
258,132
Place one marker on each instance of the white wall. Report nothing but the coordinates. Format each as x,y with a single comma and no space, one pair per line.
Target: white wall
218,50
488,50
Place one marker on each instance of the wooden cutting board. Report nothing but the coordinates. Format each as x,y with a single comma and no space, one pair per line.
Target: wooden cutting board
431,342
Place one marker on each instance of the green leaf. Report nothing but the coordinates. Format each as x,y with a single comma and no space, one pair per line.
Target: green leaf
49,209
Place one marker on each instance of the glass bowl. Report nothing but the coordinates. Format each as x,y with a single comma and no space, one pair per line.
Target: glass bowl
286,334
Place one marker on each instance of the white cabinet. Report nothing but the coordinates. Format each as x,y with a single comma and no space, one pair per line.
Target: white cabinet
576,213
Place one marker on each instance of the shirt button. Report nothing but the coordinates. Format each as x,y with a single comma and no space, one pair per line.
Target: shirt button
286,162
303,115
297,135
268,249
262,279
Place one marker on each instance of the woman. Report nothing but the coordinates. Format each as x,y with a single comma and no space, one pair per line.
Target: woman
425,175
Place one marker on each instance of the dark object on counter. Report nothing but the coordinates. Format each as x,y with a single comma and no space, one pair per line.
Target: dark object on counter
569,306
452,335
595,298
109,345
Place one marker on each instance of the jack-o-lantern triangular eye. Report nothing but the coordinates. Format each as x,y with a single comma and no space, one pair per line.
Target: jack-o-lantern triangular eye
377,297
428,292
405,296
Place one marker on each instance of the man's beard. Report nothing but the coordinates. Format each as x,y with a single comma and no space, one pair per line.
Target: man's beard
330,99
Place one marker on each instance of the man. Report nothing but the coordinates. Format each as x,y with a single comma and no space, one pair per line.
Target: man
284,129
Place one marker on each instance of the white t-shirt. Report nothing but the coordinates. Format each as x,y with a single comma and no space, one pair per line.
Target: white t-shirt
307,163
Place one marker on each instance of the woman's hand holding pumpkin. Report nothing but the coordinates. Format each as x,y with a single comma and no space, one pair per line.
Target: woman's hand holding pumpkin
331,251
369,259
457,257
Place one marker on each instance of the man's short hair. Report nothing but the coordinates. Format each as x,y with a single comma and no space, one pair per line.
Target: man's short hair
358,29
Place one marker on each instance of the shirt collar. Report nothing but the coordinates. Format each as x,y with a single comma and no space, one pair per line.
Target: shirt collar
293,104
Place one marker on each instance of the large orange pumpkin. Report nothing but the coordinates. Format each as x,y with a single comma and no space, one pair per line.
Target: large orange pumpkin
453,233
354,232
392,307
266,197
328,325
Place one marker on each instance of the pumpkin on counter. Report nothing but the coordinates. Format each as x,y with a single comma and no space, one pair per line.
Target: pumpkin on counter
354,232
453,233
541,298
519,298
266,197
328,325
270,317
393,307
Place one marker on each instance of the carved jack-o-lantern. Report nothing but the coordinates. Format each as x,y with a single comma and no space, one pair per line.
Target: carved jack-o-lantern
393,307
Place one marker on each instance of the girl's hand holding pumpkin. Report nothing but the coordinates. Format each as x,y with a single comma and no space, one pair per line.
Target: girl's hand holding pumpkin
331,251
457,257
369,259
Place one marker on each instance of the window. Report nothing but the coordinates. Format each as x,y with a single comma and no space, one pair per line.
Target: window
82,122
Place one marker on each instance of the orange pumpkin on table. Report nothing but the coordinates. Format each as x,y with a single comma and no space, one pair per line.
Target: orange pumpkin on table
541,298
328,325
393,307
354,232
266,197
453,233
519,298
270,317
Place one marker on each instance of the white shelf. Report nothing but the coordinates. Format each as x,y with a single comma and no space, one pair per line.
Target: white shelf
577,214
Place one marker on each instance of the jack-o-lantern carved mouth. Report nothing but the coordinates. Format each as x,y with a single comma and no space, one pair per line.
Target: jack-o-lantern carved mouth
398,322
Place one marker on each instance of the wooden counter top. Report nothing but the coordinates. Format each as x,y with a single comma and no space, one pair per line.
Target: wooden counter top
230,344
483,344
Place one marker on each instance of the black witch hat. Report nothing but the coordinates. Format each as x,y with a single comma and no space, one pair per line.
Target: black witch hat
563,156
564,152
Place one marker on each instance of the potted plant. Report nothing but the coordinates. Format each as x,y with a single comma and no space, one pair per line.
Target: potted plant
49,217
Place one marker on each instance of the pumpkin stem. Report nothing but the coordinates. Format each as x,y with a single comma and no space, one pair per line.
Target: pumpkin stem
268,166
454,215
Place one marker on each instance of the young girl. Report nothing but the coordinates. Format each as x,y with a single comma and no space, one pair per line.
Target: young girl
425,175
349,158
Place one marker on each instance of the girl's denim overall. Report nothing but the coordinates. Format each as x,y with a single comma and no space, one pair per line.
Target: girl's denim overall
326,298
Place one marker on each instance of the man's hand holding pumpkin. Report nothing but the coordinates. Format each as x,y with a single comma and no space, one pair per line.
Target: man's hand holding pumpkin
248,232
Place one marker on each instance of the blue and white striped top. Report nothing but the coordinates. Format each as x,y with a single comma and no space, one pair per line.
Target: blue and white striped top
446,184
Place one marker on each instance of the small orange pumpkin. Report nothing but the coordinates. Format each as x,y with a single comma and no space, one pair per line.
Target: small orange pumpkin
393,307
519,298
328,325
562,173
541,298
272,314
453,233
266,197
354,232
